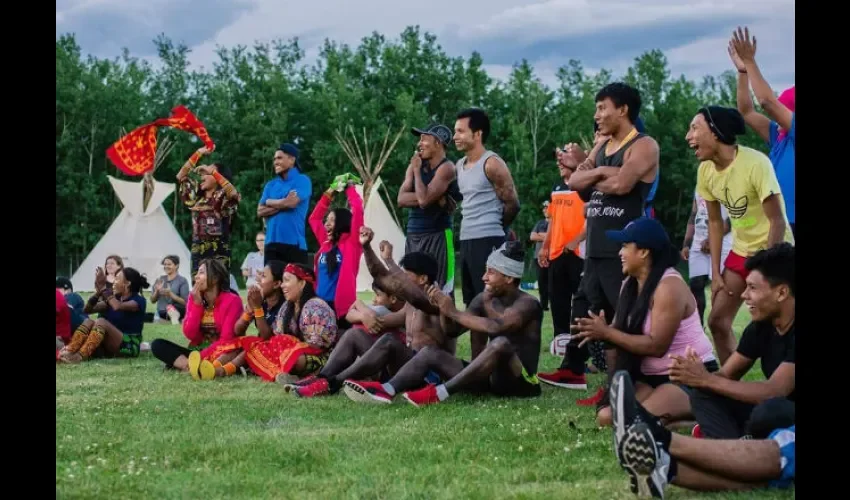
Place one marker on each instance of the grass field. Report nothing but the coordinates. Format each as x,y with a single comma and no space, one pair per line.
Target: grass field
128,429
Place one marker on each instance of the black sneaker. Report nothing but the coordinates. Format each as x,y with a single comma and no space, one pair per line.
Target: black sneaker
646,462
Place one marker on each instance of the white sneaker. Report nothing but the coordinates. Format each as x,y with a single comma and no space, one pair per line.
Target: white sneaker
174,315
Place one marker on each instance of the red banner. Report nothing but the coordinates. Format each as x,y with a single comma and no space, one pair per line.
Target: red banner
134,153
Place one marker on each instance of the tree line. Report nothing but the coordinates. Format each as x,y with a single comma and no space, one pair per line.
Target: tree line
255,98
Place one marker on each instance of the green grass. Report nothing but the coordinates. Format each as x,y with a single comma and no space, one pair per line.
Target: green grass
128,429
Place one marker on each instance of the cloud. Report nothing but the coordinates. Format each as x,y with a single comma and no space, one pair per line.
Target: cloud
692,33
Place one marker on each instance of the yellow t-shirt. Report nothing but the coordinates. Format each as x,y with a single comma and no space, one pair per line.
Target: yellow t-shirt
741,188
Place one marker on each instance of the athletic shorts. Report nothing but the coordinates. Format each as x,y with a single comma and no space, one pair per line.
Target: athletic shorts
505,384
656,380
786,439
129,346
735,263
439,245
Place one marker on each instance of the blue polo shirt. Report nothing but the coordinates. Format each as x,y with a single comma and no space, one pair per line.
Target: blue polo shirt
288,226
782,156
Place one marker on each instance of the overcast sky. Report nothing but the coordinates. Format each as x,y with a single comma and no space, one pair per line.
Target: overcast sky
601,34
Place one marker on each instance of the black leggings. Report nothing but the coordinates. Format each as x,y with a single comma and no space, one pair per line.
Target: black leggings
697,285
167,351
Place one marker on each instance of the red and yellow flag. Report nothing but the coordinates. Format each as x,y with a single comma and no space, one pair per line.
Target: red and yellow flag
134,153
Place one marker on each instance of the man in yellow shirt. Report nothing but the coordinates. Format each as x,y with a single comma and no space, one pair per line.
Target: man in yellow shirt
743,180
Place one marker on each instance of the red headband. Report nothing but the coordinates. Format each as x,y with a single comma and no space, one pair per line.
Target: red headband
299,273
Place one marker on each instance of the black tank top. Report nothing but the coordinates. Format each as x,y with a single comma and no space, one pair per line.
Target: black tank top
606,212
432,218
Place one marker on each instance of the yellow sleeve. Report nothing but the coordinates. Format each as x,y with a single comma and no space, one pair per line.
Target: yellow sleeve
702,181
763,177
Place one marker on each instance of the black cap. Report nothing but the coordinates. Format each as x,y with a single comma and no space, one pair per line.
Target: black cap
291,150
64,283
441,132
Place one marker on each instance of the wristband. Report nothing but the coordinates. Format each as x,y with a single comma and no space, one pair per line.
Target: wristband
246,316
259,313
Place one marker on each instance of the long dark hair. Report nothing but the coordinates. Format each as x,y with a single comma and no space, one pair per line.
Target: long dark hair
632,307
276,267
306,294
342,225
216,272
137,280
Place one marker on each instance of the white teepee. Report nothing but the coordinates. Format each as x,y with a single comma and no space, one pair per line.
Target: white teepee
375,213
142,234
377,216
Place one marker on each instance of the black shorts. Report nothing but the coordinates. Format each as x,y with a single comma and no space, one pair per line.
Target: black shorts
440,245
600,284
657,380
505,384
284,252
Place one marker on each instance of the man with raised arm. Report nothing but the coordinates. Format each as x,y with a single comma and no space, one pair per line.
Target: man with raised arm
509,317
408,281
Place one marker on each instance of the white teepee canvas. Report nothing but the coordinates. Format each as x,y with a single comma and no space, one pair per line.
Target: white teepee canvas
142,237
377,216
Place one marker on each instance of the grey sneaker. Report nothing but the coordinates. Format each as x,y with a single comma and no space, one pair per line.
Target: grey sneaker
646,462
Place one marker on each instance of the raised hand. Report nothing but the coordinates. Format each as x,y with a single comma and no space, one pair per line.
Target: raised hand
366,235
99,278
386,249
743,45
736,60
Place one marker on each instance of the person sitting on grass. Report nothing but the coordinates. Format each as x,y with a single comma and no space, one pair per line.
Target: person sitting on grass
170,292
657,317
118,330
211,316
724,405
67,321
263,305
367,328
304,332
73,299
654,456
420,318
338,258
512,320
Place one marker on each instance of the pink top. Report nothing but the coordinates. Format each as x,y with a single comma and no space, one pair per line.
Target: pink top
226,312
690,333
348,244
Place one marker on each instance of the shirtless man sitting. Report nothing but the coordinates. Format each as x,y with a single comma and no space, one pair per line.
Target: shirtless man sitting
510,318
367,328
420,319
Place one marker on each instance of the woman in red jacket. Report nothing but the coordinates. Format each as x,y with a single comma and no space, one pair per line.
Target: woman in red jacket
211,315
338,258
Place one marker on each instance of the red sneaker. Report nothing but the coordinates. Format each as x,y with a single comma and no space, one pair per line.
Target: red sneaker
422,397
696,432
564,378
318,387
592,400
366,392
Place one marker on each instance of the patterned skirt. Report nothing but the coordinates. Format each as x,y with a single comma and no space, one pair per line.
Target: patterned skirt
219,348
279,354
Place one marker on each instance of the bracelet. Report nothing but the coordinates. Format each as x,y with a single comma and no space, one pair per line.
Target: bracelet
246,316
259,313
194,158
219,178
